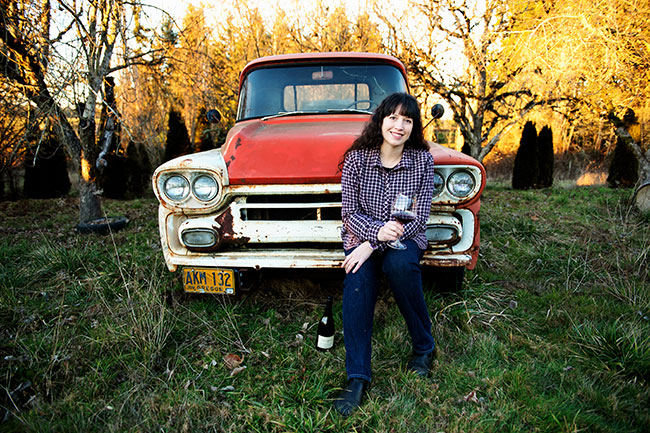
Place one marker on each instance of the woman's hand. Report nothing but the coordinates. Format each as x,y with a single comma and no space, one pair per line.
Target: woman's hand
357,257
391,231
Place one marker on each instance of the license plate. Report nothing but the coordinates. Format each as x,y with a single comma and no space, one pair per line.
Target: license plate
209,280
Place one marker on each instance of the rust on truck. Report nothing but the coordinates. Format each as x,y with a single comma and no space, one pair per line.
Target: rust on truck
228,235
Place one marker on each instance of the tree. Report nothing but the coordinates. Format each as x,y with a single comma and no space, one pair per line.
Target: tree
330,29
461,51
545,157
58,57
178,141
191,81
202,63
14,116
525,171
598,52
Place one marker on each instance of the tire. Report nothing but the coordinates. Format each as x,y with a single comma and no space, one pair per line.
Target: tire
642,197
444,279
103,226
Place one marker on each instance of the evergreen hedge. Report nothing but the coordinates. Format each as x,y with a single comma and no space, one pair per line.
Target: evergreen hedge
545,157
178,140
46,170
127,176
624,167
526,167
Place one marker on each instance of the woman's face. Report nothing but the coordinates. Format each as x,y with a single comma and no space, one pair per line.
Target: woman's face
396,129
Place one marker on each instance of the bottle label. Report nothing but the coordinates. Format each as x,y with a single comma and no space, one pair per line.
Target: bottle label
325,342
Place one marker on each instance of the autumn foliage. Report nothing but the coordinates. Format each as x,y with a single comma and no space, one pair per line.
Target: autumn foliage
555,63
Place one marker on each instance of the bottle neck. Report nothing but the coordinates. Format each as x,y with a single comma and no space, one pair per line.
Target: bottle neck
328,306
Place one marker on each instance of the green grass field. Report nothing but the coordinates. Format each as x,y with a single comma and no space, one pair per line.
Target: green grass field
551,334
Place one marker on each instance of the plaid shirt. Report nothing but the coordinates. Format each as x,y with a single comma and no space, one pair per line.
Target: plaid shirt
369,190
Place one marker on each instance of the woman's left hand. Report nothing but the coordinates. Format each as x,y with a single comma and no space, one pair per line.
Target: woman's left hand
357,257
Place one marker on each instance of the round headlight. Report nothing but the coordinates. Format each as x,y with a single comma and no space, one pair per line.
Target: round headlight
176,188
461,183
205,187
438,184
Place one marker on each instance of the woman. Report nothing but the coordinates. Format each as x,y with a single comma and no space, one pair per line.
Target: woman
390,157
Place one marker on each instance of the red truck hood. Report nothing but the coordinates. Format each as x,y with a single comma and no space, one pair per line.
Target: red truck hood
292,149
300,150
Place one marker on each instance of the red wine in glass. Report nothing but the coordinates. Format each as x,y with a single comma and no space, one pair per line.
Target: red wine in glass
404,216
403,210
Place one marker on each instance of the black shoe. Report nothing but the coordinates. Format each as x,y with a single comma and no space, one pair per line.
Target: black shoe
350,398
421,364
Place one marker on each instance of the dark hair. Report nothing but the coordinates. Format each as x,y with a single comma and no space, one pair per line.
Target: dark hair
371,136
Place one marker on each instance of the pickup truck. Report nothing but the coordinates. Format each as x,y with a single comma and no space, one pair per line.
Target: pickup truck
270,197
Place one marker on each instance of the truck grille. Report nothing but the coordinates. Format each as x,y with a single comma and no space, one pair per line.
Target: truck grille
292,207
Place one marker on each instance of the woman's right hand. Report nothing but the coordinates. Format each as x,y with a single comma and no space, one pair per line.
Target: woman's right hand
357,257
391,231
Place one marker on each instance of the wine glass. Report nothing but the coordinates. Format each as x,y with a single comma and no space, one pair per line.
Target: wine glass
403,210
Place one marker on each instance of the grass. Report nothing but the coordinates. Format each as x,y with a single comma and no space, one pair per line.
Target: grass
551,334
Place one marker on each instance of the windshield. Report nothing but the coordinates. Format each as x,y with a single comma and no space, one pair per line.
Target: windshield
316,88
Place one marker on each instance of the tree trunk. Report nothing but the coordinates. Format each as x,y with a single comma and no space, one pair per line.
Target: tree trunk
90,206
81,148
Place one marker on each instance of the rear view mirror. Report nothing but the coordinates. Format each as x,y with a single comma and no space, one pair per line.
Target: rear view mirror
322,75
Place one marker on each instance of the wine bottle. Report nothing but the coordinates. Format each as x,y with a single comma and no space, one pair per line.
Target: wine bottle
325,339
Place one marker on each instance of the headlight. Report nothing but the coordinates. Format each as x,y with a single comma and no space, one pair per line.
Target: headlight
438,184
205,187
461,183
176,188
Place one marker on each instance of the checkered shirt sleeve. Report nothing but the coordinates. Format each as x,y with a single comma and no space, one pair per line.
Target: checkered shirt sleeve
369,191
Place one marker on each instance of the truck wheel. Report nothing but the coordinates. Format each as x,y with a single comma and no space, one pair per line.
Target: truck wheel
445,280
103,226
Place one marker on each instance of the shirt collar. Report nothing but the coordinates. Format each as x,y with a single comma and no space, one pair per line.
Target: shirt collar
405,162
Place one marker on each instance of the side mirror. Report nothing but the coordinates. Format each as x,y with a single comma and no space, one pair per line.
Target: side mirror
213,116
437,111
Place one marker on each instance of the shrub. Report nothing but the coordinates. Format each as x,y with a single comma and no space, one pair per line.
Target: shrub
526,168
623,170
113,177
46,170
545,157
129,176
140,170
178,140
203,131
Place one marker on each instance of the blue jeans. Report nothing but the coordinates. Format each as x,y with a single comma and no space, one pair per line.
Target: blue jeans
402,269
